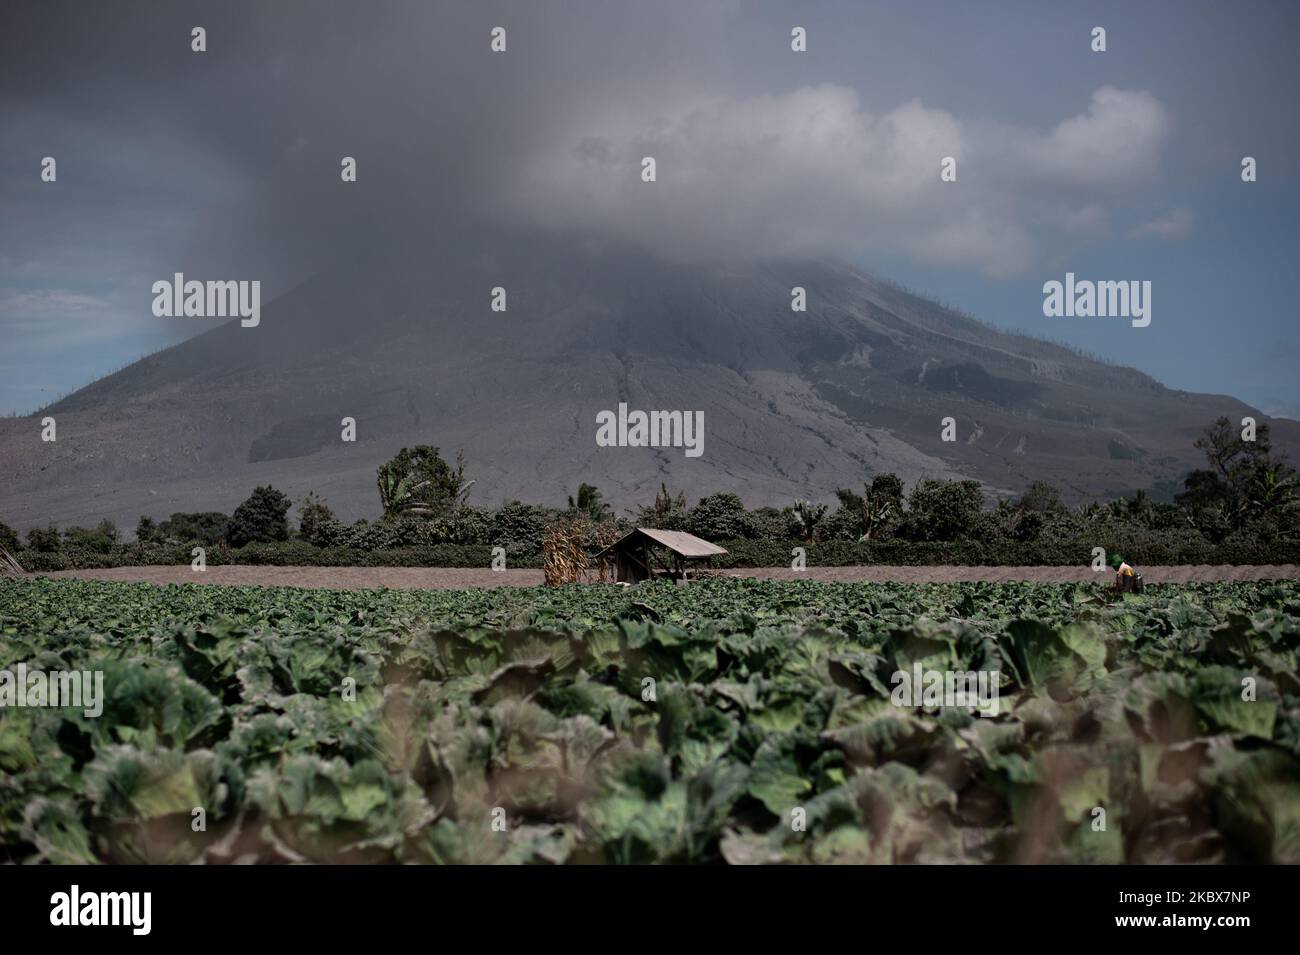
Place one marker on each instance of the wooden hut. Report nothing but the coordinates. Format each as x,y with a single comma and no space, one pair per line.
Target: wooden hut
648,552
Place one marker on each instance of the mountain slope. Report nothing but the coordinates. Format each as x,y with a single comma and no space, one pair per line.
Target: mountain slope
795,404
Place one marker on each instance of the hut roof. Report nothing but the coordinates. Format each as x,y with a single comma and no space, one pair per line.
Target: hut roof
679,542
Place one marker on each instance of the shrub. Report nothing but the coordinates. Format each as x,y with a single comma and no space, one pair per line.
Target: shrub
1040,496
518,528
767,523
718,517
312,513
207,527
942,510
464,525
45,540
9,538
261,518
844,523
667,513
100,540
518,525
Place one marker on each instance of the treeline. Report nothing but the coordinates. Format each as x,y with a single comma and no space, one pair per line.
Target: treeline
1240,509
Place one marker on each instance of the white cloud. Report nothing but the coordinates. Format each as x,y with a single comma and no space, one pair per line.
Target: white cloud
811,172
1116,142
1173,225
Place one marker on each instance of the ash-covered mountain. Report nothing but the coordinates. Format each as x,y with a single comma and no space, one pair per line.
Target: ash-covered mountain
794,404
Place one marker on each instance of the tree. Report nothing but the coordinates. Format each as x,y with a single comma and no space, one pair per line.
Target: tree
1272,490
589,502
417,482
1227,451
1041,497
719,516
8,538
807,516
45,539
518,526
943,510
206,527
312,513
668,512
100,540
260,519
878,506
887,488
767,523
1243,481
146,530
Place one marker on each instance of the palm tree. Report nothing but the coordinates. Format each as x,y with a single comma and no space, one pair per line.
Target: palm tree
397,495
807,516
876,513
1273,490
400,484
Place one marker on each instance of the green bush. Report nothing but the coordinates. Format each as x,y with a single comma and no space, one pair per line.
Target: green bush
260,519
44,540
207,528
942,510
146,531
718,517
9,538
517,526
100,540
767,523
312,513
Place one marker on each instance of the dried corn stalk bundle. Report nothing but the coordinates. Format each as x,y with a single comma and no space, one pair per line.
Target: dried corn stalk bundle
564,553
567,548
8,566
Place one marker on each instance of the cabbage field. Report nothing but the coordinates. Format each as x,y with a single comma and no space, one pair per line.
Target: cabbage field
731,721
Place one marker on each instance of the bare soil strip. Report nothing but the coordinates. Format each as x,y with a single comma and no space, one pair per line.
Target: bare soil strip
448,578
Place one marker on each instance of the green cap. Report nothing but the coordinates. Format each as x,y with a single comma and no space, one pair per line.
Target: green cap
1116,560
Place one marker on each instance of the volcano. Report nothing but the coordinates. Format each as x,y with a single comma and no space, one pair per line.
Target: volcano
794,404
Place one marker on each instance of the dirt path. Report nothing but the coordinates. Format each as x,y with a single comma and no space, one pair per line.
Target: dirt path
440,578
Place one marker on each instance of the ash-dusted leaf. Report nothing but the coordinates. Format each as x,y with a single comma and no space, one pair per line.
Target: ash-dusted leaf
514,681
744,847
1257,795
775,777
55,828
16,749
1054,661
126,783
1217,695
539,845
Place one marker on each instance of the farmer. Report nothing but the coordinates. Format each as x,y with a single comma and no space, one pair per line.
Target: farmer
1125,576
